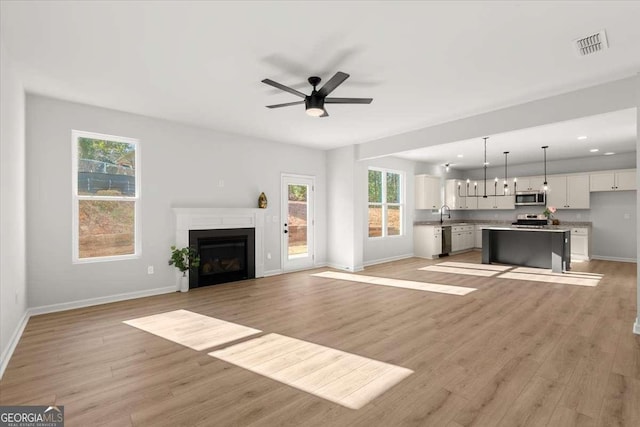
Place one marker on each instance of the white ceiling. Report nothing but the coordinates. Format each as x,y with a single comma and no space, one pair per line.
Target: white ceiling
608,133
423,62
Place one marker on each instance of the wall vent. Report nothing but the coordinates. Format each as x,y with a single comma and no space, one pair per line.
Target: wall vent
592,43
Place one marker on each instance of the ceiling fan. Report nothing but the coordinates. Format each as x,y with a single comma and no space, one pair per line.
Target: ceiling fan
314,103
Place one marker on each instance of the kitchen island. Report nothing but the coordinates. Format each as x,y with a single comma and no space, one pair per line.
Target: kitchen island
530,247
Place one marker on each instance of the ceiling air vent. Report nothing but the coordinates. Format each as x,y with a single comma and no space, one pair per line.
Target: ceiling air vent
592,44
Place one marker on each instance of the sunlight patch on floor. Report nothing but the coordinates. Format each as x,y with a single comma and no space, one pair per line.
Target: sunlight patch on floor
457,270
397,283
561,278
343,378
191,329
476,266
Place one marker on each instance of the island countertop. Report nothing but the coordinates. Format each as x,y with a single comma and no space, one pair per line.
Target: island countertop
545,229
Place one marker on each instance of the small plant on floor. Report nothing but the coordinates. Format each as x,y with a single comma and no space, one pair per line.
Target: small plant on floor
184,259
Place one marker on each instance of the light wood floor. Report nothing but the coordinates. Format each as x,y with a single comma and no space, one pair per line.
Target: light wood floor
511,353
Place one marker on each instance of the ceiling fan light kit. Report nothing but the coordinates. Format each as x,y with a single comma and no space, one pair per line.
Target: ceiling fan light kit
314,103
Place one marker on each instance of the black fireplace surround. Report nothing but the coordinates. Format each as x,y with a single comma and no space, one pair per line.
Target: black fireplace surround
226,255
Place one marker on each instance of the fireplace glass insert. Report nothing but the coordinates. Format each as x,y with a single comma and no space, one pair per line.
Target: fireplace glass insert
226,255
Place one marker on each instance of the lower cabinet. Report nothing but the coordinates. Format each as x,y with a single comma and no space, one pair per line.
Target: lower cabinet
462,237
580,244
427,241
479,228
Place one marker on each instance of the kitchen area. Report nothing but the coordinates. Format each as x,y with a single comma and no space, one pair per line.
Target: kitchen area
460,213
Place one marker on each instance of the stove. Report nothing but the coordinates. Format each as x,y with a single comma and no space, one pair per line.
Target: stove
531,221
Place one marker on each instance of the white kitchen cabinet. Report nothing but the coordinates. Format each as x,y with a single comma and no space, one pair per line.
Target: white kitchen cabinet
478,234
613,180
580,244
568,192
462,237
427,192
456,195
497,202
427,241
530,183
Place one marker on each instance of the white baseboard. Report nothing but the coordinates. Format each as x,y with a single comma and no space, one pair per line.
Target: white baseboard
13,342
389,259
612,258
636,326
347,268
272,272
101,300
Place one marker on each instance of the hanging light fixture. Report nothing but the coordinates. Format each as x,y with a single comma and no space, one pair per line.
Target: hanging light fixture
505,186
505,191
446,167
545,186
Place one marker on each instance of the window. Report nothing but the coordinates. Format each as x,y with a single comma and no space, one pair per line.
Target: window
106,197
386,198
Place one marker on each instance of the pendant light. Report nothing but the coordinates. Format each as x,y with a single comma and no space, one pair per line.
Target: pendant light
545,186
505,191
505,187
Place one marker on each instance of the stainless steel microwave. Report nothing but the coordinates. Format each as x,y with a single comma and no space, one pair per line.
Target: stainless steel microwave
529,198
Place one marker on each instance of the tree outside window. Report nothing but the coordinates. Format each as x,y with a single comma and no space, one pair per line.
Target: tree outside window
106,197
385,203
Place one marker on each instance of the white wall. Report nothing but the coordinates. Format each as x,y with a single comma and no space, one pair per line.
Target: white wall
181,166
13,293
636,326
378,250
344,248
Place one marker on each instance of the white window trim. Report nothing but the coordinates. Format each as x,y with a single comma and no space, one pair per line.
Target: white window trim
384,204
75,243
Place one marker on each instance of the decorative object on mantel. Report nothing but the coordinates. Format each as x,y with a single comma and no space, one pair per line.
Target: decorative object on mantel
184,259
262,201
548,212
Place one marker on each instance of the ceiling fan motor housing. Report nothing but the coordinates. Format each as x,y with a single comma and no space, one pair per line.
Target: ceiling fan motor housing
314,101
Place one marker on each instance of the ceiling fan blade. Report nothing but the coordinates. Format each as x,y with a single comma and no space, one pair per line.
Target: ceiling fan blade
283,87
348,100
333,83
325,114
285,105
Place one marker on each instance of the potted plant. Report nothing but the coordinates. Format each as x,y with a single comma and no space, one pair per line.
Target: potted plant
548,212
184,259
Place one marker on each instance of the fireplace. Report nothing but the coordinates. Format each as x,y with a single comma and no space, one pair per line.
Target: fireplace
226,255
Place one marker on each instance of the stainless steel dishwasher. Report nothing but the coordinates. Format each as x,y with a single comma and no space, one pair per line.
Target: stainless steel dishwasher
446,240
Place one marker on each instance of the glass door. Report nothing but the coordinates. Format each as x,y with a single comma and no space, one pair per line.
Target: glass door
297,222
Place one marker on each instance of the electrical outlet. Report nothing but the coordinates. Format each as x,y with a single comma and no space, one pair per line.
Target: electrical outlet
150,269
221,183
268,255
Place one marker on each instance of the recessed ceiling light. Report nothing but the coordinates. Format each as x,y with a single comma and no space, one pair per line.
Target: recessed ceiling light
460,156
609,153
582,137
594,150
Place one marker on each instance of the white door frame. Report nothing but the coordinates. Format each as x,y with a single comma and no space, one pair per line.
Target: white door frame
304,262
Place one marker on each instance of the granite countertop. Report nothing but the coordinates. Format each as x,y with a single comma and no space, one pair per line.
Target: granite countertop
551,229
502,223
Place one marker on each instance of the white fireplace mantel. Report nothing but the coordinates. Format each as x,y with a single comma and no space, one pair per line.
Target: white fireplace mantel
221,218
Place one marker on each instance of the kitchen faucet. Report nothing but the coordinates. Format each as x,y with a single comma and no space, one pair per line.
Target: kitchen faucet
442,210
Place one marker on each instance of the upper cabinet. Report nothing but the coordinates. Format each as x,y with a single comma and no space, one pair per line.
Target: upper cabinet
568,192
613,180
530,183
455,194
428,193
